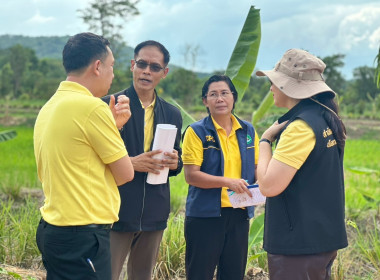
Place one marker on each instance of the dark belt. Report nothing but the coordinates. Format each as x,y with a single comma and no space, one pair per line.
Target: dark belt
82,227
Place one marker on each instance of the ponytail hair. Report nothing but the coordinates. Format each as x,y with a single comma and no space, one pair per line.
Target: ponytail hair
332,118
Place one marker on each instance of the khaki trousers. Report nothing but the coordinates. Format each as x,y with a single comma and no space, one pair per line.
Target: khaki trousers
141,248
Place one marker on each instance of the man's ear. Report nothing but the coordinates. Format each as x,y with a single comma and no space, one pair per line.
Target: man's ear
96,66
166,71
132,64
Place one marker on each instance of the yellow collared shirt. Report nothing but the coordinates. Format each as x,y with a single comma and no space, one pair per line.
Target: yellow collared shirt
193,153
148,124
75,138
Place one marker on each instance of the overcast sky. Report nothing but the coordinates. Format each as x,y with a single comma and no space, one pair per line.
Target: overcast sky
323,27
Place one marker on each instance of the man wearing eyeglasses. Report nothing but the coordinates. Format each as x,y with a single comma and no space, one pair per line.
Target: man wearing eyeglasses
144,207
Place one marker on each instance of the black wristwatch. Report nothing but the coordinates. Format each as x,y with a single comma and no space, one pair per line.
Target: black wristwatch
266,140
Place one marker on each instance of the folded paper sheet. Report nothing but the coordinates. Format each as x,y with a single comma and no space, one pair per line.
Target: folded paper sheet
239,200
163,140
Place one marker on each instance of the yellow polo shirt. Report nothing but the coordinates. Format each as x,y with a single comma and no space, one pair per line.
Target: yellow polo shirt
193,152
148,124
75,137
296,143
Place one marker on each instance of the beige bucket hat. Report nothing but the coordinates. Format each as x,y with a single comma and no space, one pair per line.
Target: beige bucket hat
298,75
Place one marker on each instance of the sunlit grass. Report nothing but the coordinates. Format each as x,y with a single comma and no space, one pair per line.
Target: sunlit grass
178,192
17,164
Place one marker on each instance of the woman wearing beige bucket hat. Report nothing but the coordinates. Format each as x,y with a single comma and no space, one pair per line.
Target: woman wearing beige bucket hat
303,179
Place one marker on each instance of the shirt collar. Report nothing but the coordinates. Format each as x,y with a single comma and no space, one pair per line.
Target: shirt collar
150,105
73,87
235,124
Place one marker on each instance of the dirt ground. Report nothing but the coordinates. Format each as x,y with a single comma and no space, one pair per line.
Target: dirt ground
359,128
252,274
24,273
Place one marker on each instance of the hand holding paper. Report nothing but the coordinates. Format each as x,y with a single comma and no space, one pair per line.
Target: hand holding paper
146,162
171,159
239,200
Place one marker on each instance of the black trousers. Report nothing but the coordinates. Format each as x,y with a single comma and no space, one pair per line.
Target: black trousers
74,253
220,242
300,267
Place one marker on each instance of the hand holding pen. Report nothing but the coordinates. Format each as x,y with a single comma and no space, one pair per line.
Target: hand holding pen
238,185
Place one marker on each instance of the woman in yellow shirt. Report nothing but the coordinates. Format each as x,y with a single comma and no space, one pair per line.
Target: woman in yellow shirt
219,153
303,179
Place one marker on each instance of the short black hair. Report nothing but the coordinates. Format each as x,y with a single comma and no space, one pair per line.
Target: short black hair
156,44
82,49
220,78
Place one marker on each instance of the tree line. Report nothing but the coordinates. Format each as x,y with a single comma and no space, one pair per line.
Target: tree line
25,76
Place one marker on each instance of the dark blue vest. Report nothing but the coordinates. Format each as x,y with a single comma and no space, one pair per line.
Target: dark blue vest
308,216
207,202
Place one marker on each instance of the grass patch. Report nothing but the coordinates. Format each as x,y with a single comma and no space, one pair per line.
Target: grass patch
17,232
178,192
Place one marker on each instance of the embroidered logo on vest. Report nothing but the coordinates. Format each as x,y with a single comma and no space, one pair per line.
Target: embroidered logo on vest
210,138
249,139
327,132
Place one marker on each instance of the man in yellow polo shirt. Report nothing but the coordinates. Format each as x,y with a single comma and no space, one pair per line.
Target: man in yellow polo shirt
219,152
80,161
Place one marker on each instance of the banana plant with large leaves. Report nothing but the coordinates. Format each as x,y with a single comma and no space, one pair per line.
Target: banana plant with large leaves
243,61
240,69
241,65
244,56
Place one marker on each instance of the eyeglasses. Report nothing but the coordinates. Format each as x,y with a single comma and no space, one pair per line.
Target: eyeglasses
154,67
215,96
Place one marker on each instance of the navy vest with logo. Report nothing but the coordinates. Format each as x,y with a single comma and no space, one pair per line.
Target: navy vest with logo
308,216
207,202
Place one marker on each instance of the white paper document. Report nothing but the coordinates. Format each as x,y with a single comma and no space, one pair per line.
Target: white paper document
164,139
239,200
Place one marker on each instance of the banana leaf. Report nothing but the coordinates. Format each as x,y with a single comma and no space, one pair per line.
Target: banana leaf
242,62
7,135
187,119
244,55
377,70
363,170
256,231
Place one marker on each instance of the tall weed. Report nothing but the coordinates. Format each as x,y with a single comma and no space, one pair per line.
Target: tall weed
367,246
171,259
17,232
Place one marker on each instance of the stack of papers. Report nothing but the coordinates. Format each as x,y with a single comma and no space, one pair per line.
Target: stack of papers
163,140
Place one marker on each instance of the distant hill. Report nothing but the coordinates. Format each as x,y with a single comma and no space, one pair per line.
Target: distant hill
48,46
52,46
45,47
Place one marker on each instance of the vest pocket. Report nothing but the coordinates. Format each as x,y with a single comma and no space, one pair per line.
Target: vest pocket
286,211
